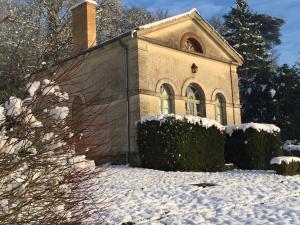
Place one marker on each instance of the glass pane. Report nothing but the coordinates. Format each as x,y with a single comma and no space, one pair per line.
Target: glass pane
165,100
220,110
191,101
166,107
195,101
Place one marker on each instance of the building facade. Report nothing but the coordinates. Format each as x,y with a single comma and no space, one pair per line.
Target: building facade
178,65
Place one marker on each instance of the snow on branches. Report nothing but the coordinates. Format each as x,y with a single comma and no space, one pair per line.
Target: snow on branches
41,178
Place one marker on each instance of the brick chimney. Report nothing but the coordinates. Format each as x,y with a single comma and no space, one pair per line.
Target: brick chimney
84,25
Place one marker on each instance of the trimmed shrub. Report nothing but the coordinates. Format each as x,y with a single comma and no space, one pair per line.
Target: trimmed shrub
230,166
252,146
286,165
181,143
291,148
292,153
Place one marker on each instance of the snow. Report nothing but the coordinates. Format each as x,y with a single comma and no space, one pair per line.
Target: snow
2,116
4,205
205,122
269,128
59,112
14,145
173,18
62,96
55,145
15,148
48,136
286,159
83,1
13,107
263,87
272,92
249,91
49,87
81,162
33,87
291,146
151,197
32,121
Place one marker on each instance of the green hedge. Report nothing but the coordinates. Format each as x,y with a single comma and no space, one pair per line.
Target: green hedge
251,148
287,169
174,144
286,165
291,153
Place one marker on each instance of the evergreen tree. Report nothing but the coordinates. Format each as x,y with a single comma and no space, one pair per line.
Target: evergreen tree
286,82
270,29
296,113
243,33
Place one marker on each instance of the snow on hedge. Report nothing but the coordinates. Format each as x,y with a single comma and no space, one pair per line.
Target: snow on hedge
204,122
290,146
286,159
269,128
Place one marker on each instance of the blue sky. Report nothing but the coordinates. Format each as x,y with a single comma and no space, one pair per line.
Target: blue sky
289,10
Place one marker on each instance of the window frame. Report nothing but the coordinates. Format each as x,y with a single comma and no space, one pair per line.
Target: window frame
166,98
220,106
195,46
195,101
194,38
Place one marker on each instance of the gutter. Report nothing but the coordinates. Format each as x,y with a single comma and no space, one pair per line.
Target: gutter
232,98
126,62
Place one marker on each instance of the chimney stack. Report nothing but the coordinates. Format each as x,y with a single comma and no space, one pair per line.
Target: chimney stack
84,25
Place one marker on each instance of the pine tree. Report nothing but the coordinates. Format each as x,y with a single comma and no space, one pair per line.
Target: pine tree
243,33
286,82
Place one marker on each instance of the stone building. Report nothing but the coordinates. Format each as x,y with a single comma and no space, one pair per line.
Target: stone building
177,65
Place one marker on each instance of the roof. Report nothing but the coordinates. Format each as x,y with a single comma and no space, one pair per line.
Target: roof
149,26
154,24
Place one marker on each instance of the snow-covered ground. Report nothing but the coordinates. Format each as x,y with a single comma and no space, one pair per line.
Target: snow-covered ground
144,196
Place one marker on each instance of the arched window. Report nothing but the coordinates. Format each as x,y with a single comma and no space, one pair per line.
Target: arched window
192,45
220,104
195,101
166,106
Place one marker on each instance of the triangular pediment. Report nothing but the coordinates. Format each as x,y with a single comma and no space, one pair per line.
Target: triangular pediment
171,32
